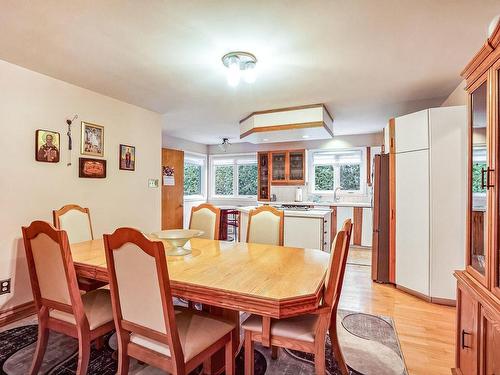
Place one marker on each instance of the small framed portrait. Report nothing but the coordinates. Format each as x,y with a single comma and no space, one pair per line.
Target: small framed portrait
127,158
92,168
92,140
47,146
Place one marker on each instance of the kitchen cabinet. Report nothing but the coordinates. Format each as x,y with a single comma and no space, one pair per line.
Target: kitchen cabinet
264,183
367,227
428,201
309,229
308,232
478,308
286,167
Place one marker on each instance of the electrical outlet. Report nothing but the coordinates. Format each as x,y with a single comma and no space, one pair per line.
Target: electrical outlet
4,286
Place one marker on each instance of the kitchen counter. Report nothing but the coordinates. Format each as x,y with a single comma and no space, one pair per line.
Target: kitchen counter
319,204
296,213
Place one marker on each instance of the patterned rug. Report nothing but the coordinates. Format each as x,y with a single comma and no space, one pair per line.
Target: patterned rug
369,343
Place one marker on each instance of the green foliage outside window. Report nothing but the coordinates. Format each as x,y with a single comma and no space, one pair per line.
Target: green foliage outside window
476,177
224,180
323,177
247,179
350,177
192,179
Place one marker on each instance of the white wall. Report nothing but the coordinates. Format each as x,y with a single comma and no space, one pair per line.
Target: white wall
30,190
457,97
182,144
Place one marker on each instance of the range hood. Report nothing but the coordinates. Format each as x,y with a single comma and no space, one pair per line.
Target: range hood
308,122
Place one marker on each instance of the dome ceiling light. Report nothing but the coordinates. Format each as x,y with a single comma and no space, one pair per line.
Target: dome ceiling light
240,64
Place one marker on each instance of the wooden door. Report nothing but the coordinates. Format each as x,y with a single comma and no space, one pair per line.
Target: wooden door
172,196
467,343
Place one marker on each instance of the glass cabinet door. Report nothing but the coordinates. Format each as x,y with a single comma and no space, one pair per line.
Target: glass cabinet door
278,160
480,175
296,165
263,176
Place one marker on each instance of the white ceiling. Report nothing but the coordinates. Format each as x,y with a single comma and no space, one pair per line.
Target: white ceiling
367,60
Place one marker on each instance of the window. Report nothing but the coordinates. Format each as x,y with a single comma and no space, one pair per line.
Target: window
479,164
234,176
194,176
330,170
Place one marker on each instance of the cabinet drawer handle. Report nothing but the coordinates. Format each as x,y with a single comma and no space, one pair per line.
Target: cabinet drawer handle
325,232
463,340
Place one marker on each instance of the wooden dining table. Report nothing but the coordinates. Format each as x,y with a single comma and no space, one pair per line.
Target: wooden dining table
229,277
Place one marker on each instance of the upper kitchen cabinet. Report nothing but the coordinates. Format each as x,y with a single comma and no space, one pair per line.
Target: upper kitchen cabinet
412,136
264,183
287,167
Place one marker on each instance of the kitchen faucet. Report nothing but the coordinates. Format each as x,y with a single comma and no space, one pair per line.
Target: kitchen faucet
336,198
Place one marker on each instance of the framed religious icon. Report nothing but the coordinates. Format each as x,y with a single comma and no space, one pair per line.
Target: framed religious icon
127,158
92,168
92,140
47,146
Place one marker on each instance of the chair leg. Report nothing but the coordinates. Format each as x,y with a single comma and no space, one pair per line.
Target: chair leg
319,359
99,343
336,346
248,353
274,352
83,351
229,356
123,358
41,346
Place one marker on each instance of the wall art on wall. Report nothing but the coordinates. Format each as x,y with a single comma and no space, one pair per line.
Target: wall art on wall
92,140
47,146
168,176
127,157
92,168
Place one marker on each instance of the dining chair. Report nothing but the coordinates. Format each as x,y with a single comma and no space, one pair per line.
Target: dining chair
147,326
306,332
59,304
265,225
75,220
206,217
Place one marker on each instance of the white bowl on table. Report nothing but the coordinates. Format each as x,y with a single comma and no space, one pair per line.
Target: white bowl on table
177,238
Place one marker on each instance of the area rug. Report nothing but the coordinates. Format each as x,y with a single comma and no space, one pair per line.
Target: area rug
369,343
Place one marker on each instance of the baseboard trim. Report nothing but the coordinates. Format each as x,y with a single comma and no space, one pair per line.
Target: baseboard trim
444,301
436,300
16,313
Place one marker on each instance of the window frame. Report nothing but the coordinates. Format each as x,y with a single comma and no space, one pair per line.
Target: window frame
197,158
236,161
336,173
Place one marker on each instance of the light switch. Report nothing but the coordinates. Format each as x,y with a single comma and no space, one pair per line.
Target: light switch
153,182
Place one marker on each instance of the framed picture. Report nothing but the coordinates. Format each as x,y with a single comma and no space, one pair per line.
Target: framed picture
127,158
47,146
92,140
92,168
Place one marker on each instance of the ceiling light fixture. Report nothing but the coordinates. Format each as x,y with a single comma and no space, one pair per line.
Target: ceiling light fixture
240,64
224,145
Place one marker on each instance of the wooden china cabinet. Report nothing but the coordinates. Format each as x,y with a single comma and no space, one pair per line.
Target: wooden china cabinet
288,167
264,182
478,286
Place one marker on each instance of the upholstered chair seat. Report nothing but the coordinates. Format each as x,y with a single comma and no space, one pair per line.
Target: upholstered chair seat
197,331
206,218
302,327
265,226
148,327
306,332
97,308
60,305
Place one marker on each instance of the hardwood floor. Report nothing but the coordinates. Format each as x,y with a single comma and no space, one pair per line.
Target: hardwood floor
426,331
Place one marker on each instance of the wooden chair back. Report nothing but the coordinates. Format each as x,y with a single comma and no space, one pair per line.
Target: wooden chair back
336,269
206,217
265,225
75,220
52,273
140,289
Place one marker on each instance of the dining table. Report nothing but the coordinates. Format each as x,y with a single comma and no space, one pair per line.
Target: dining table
231,277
